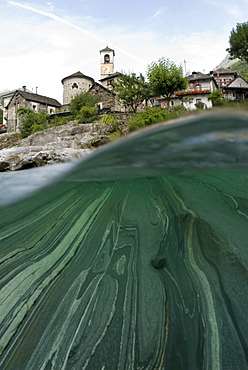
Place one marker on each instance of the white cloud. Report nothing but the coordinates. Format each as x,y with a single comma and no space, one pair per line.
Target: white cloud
158,12
70,24
42,53
237,11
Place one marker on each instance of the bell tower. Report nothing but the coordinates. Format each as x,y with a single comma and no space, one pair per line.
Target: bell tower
107,61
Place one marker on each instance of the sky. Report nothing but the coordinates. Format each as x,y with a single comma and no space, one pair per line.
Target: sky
41,42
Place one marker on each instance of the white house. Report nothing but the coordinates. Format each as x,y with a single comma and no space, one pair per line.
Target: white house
200,86
236,89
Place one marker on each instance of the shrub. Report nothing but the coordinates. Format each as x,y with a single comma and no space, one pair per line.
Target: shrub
153,115
217,99
200,105
86,114
114,136
31,121
179,109
84,99
59,121
112,121
108,119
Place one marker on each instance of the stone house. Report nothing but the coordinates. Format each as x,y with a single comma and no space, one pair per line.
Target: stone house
5,98
107,97
74,85
78,82
107,81
36,102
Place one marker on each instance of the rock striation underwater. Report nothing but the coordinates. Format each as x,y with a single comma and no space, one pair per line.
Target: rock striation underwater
135,257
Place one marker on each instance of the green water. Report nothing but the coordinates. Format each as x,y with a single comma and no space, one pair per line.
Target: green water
78,290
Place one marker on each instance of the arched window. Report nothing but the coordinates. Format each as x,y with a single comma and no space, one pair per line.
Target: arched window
106,58
75,86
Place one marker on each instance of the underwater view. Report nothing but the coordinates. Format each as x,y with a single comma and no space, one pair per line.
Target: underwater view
135,257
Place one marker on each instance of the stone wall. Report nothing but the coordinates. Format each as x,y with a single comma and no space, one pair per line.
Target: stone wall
108,98
74,86
13,120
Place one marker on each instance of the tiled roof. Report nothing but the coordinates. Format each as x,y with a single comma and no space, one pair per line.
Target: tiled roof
116,74
97,85
108,49
78,75
238,83
39,98
223,70
199,76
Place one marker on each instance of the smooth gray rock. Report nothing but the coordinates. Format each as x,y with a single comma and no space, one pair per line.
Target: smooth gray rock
71,135
19,158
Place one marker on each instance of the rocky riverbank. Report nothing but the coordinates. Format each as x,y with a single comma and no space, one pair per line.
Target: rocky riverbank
54,145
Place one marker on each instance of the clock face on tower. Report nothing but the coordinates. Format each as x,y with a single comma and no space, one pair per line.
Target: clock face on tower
106,69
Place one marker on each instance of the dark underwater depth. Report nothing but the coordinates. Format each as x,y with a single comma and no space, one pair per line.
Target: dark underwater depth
134,258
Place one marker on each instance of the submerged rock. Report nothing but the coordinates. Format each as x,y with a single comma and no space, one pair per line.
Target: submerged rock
158,262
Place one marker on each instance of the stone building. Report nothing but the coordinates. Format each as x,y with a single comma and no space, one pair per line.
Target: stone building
36,102
107,97
78,82
107,81
75,84
5,98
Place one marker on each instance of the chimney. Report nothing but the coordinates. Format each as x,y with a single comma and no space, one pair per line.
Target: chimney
24,88
36,90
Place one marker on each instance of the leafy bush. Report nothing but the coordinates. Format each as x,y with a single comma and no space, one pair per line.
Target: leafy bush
86,114
151,116
179,109
82,100
108,119
31,121
59,121
112,121
114,136
200,105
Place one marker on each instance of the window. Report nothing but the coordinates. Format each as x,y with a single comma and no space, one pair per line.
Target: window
34,107
75,86
106,58
198,101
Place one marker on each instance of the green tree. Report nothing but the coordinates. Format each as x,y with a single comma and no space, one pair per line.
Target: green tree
132,90
31,121
84,99
241,68
165,77
238,42
217,99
